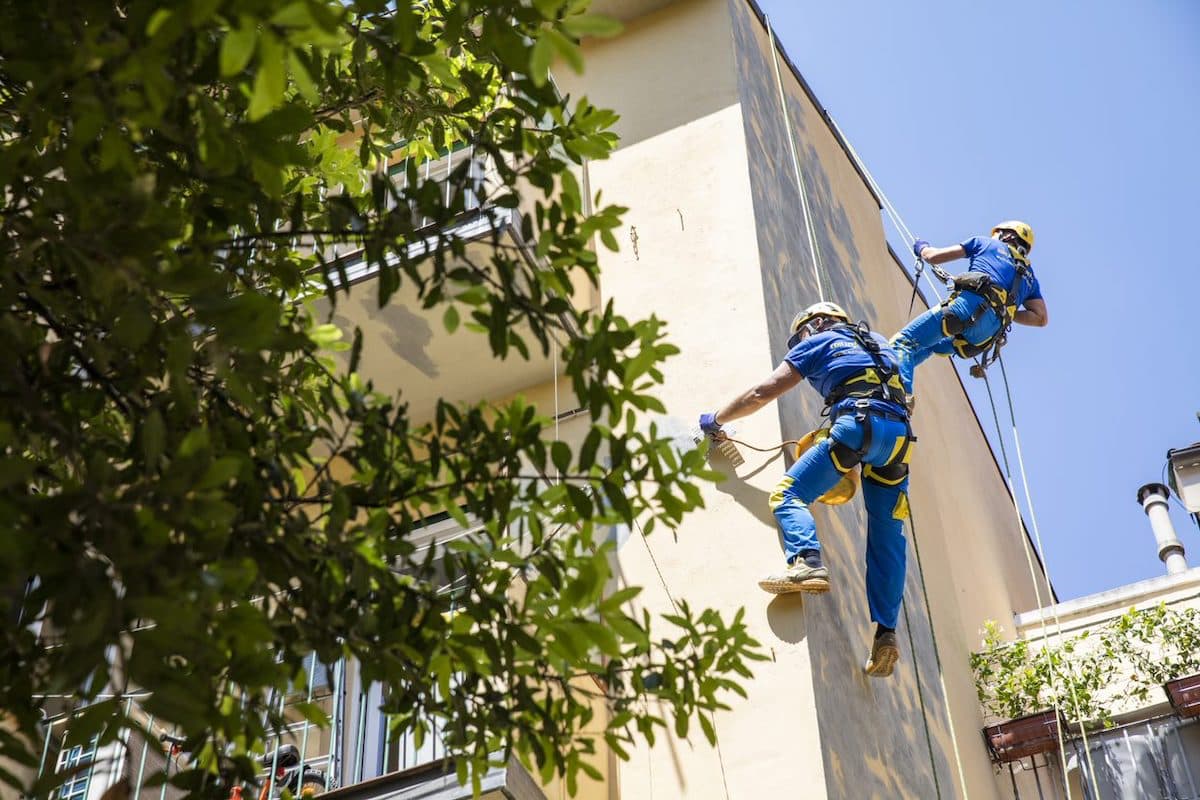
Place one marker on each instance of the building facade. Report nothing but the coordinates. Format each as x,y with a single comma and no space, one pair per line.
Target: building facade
744,205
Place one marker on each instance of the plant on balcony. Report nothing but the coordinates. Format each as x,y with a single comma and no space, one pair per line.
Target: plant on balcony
1155,645
1015,680
194,496
1088,676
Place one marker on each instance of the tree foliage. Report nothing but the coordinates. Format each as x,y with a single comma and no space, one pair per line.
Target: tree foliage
195,495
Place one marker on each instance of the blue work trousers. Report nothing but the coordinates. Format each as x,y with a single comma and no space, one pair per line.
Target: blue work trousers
887,507
926,334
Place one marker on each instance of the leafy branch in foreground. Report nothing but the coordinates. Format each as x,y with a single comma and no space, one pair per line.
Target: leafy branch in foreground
198,491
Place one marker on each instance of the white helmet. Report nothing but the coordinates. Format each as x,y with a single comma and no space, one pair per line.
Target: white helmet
806,316
818,310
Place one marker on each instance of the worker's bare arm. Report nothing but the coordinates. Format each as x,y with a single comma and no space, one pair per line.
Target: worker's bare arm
1033,314
940,255
783,378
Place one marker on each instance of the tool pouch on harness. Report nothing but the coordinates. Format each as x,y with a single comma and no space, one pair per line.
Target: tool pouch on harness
845,489
976,282
845,458
996,299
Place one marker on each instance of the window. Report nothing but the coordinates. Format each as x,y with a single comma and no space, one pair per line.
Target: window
77,760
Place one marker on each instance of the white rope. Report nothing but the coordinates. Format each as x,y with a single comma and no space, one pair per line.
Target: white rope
1037,535
804,208
889,209
554,378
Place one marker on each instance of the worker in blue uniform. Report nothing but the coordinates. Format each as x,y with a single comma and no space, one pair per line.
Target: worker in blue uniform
998,289
856,372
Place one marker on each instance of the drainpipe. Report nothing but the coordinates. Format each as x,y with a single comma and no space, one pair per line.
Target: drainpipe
1153,498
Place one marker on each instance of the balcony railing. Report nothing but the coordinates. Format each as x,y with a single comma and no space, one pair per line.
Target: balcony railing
1157,758
357,746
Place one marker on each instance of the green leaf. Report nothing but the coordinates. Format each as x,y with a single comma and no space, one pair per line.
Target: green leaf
566,48
326,334
270,80
194,442
303,80
592,25
450,319
154,434
560,454
540,58
220,471
237,48
157,20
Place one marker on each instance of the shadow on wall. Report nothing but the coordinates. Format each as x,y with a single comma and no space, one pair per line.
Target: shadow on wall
405,333
873,732
787,258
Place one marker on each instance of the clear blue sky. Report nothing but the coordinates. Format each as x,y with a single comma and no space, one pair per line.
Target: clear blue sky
1082,119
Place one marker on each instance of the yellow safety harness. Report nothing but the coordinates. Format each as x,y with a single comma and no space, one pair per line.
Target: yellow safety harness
1001,301
879,382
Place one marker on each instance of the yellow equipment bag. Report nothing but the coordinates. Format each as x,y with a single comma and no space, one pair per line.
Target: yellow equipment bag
844,491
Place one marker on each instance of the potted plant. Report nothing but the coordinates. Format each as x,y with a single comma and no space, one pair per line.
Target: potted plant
1024,736
1161,645
1026,689
1184,694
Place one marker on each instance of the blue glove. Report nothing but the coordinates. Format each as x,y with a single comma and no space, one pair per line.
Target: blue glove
709,424
919,245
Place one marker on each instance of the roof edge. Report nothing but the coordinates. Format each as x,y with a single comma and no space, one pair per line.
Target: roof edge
808,91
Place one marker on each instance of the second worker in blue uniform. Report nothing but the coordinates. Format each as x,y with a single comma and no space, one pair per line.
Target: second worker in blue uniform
998,289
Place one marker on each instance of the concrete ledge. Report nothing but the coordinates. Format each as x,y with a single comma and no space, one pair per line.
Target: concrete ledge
438,781
1081,611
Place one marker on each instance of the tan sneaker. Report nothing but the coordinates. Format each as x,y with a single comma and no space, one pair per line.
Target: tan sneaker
799,577
884,655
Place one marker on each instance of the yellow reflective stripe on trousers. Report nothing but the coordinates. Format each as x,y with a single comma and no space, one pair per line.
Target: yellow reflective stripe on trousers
870,474
776,498
896,450
837,464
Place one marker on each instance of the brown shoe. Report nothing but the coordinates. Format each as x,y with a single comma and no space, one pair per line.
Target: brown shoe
884,655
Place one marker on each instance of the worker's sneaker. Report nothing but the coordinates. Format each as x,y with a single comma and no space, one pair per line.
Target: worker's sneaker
884,654
799,577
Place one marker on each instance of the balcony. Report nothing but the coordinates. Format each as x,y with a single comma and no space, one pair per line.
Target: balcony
429,782
1154,758
356,757
407,348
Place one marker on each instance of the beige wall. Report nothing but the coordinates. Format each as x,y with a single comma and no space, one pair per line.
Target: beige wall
683,174
720,254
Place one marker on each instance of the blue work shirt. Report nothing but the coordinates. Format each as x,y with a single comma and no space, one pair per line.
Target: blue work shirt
829,358
992,257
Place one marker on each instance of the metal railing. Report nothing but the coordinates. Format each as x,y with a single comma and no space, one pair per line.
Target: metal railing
1154,759
358,744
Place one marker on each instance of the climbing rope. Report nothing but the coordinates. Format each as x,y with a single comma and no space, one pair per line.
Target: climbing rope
912,648
671,597
1037,535
978,371
791,138
771,449
911,642
937,656
1062,750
